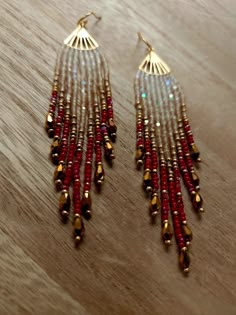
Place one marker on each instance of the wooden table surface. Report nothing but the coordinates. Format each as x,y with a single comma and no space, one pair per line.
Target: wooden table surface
121,267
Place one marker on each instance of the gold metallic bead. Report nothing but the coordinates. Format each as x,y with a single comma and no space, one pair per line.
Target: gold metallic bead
187,233
184,261
49,121
195,179
147,180
194,152
109,150
86,204
154,205
78,226
167,232
99,174
197,201
64,204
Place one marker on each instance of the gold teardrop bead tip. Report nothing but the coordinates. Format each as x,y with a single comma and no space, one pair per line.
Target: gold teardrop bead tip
49,122
184,260
109,150
139,154
147,180
187,233
154,205
99,174
55,146
55,150
195,179
194,152
167,232
139,157
59,172
86,205
78,226
64,204
197,202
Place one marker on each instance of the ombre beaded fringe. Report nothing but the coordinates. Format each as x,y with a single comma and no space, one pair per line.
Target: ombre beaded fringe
80,119
166,149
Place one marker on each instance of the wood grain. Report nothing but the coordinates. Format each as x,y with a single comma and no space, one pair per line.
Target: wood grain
121,268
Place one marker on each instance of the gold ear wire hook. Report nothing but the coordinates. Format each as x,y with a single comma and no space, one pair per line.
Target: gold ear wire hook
82,21
140,36
152,64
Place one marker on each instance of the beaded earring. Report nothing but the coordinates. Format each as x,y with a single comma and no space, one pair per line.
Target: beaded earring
80,114
166,149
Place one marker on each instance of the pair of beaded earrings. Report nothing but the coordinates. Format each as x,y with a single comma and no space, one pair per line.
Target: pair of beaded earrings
80,118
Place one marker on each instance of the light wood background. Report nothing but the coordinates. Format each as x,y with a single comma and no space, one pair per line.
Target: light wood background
121,267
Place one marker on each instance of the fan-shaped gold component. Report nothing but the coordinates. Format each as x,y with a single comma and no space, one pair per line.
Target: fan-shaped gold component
153,64
81,39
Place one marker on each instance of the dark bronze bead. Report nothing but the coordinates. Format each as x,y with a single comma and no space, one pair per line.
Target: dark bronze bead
78,229
64,204
55,147
58,184
147,180
86,205
167,232
184,260
51,133
112,129
194,152
154,205
99,174
55,158
187,233
197,202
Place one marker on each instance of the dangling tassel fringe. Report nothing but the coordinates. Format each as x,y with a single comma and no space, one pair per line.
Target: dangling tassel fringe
165,147
80,114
